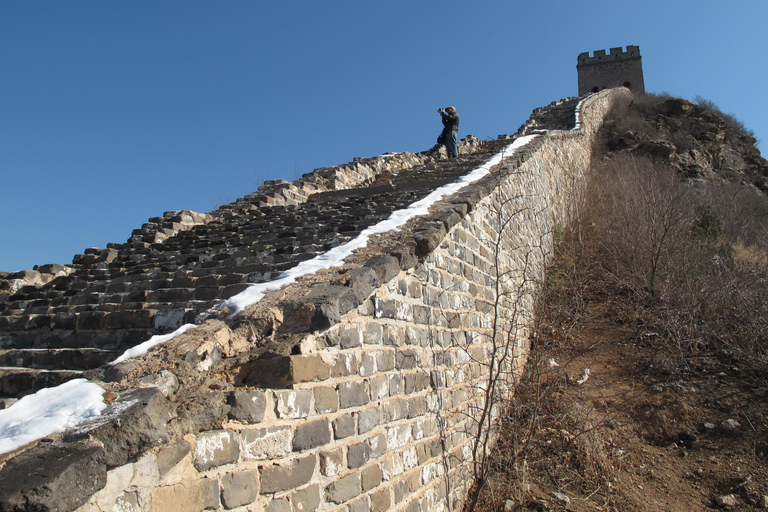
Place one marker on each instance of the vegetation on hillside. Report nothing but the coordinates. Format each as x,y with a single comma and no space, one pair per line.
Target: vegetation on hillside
666,271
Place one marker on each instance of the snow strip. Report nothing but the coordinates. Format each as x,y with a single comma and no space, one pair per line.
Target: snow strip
151,342
56,409
48,411
335,257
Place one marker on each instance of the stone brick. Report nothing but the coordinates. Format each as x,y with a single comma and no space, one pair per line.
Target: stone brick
395,384
266,443
350,336
130,319
306,500
415,382
292,404
278,505
94,320
247,406
216,448
368,419
169,456
344,426
363,281
406,359
332,462
381,500
371,477
395,410
345,365
326,399
311,434
194,496
51,478
360,504
353,394
239,488
373,334
358,454
343,489
379,387
287,476
309,368
378,446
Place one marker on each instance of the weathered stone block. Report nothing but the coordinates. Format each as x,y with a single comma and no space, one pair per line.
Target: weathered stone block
353,394
345,364
306,499
332,462
52,478
311,435
238,489
343,489
291,404
344,426
368,419
379,387
216,448
350,336
269,372
360,504
395,410
94,320
371,477
358,454
281,478
386,267
188,497
132,424
169,456
278,505
247,406
309,368
381,499
266,443
363,282
129,319
326,399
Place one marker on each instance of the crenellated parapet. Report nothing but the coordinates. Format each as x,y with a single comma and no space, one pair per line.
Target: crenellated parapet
619,68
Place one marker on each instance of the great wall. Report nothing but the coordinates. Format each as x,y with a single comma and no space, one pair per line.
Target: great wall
355,388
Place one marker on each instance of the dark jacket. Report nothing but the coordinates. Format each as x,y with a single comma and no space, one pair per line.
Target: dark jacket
450,121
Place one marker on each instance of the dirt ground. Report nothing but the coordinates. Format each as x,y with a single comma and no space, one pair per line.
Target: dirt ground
648,430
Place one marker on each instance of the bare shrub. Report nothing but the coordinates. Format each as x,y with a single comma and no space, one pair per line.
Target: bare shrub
692,257
733,123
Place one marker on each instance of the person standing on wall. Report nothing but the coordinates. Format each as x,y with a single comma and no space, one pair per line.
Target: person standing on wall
450,130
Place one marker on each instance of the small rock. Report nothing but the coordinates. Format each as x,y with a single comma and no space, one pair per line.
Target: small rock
562,499
728,500
729,425
510,506
762,502
709,426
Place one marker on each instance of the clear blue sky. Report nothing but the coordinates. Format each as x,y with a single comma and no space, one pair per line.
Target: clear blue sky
112,112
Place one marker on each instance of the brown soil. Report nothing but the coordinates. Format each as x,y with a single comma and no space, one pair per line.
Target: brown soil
644,432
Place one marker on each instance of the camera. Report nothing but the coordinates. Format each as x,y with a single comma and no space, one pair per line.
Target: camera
441,110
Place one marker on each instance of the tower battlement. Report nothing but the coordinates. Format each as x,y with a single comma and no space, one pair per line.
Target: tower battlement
618,68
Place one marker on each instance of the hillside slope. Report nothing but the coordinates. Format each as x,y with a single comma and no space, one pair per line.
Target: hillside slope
647,386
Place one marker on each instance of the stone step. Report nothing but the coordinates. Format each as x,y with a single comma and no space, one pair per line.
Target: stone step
19,382
51,359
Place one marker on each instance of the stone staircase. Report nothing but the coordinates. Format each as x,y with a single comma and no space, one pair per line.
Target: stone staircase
183,264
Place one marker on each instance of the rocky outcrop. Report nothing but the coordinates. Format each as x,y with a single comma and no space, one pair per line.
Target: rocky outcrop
700,143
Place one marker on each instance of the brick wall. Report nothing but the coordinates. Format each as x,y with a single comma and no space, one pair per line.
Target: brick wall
380,409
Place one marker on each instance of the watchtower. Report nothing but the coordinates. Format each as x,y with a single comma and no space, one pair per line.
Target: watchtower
619,68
